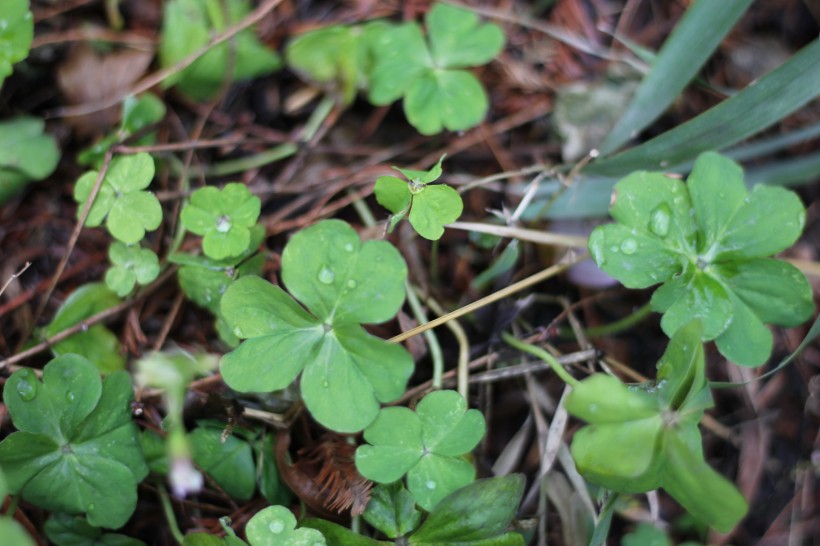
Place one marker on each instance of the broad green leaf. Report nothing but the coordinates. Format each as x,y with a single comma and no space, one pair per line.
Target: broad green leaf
459,40
16,34
202,539
228,461
679,60
11,532
425,445
342,282
66,530
223,217
392,510
646,534
276,526
188,25
770,99
127,210
708,255
681,368
335,534
445,99
392,193
131,265
703,492
401,57
604,399
478,511
98,344
423,177
26,153
270,483
433,208
87,458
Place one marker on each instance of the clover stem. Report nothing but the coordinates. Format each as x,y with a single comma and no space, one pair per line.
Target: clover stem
432,341
168,510
463,349
538,352
619,325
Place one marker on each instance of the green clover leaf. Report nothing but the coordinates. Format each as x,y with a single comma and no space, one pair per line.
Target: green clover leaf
127,210
426,445
707,241
429,207
276,526
96,343
223,217
16,34
188,25
228,461
77,449
392,510
132,264
26,154
66,530
342,282
638,440
437,93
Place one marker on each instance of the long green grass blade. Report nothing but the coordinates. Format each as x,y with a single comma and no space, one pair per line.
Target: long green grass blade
756,107
683,54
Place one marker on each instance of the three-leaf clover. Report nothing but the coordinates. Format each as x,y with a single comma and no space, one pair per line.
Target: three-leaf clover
223,217
429,207
132,264
642,439
127,210
16,34
708,242
276,526
76,449
426,445
342,283
437,93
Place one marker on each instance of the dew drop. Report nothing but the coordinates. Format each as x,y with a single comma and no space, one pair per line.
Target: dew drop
27,385
629,246
325,384
326,275
660,219
593,408
430,484
223,224
613,248
352,284
69,396
349,247
238,332
276,526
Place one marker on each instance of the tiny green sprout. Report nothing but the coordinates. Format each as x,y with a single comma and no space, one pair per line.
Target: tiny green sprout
426,445
16,34
708,242
188,25
76,449
27,153
342,282
276,526
438,93
132,264
68,530
429,207
639,439
223,217
128,210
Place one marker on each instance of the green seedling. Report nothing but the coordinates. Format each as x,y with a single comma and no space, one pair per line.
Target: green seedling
429,207
224,217
276,526
188,25
643,439
478,514
26,154
707,241
342,282
16,34
392,510
337,58
66,530
96,343
229,460
76,449
128,210
137,113
132,265
438,94
426,445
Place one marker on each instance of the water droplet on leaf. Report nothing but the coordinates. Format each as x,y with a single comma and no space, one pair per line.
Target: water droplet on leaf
276,526
238,332
223,224
326,275
349,247
325,384
91,507
69,396
430,484
27,385
629,246
352,284
660,219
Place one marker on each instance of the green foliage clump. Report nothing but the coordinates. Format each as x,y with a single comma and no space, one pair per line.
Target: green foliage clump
276,526
26,154
76,449
16,34
132,265
708,242
342,283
